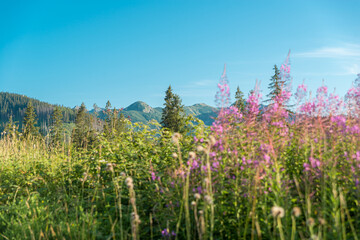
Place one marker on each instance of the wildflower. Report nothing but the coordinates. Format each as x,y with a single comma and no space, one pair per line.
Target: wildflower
174,155
310,222
306,167
153,176
122,174
296,211
212,140
165,232
197,196
277,211
208,200
223,94
200,148
129,182
192,155
193,203
207,181
322,221
102,161
267,158
176,137
315,163
135,217
110,167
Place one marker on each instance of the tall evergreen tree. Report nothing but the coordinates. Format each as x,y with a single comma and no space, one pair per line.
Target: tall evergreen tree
57,126
108,126
114,123
357,81
29,123
11,128
121,123
173,115
83,134
276,85
240,101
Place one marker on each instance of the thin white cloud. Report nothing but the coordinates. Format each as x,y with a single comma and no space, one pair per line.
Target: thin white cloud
199,88
346,51
353,69
204,83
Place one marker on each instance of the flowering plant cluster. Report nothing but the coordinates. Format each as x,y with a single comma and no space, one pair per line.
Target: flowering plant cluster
262,172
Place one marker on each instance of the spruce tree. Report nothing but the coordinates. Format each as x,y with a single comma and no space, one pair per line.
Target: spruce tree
173,115
57,126
83,134
30,128
240,101
108,121
276,85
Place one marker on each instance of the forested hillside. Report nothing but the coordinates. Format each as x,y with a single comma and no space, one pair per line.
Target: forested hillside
142,112
14,105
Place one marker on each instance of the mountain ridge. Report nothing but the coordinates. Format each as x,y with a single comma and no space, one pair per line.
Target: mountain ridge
13,104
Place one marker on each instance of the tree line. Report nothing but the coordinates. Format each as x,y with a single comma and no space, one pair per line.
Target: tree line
88,126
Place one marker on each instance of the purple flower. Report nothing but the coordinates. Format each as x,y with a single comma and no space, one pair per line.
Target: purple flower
165,232
315,163
306,167
153,176
267,158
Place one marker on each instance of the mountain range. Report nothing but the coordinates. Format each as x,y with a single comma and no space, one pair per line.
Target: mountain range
14,105
142,112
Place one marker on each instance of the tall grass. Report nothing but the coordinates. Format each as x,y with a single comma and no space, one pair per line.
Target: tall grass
253,175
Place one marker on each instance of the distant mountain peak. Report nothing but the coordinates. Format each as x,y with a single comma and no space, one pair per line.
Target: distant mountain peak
139,106
201,104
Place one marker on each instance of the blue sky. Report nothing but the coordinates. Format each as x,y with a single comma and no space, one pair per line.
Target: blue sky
68,52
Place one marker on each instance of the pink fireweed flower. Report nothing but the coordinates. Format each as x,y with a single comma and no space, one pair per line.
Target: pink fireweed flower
222,97
314,166
354,129
356,156
339,120
285,73
322,90
315,163
301,93
307,167
307,108
153,176
267,159
252,106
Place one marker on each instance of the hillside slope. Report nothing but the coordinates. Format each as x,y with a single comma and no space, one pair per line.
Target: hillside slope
14,105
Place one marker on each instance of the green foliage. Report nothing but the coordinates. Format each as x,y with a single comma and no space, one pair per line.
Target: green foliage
114,123
57,131
84,135
173,115
199,185
11,128
276,84
240,101
15,105
30,122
